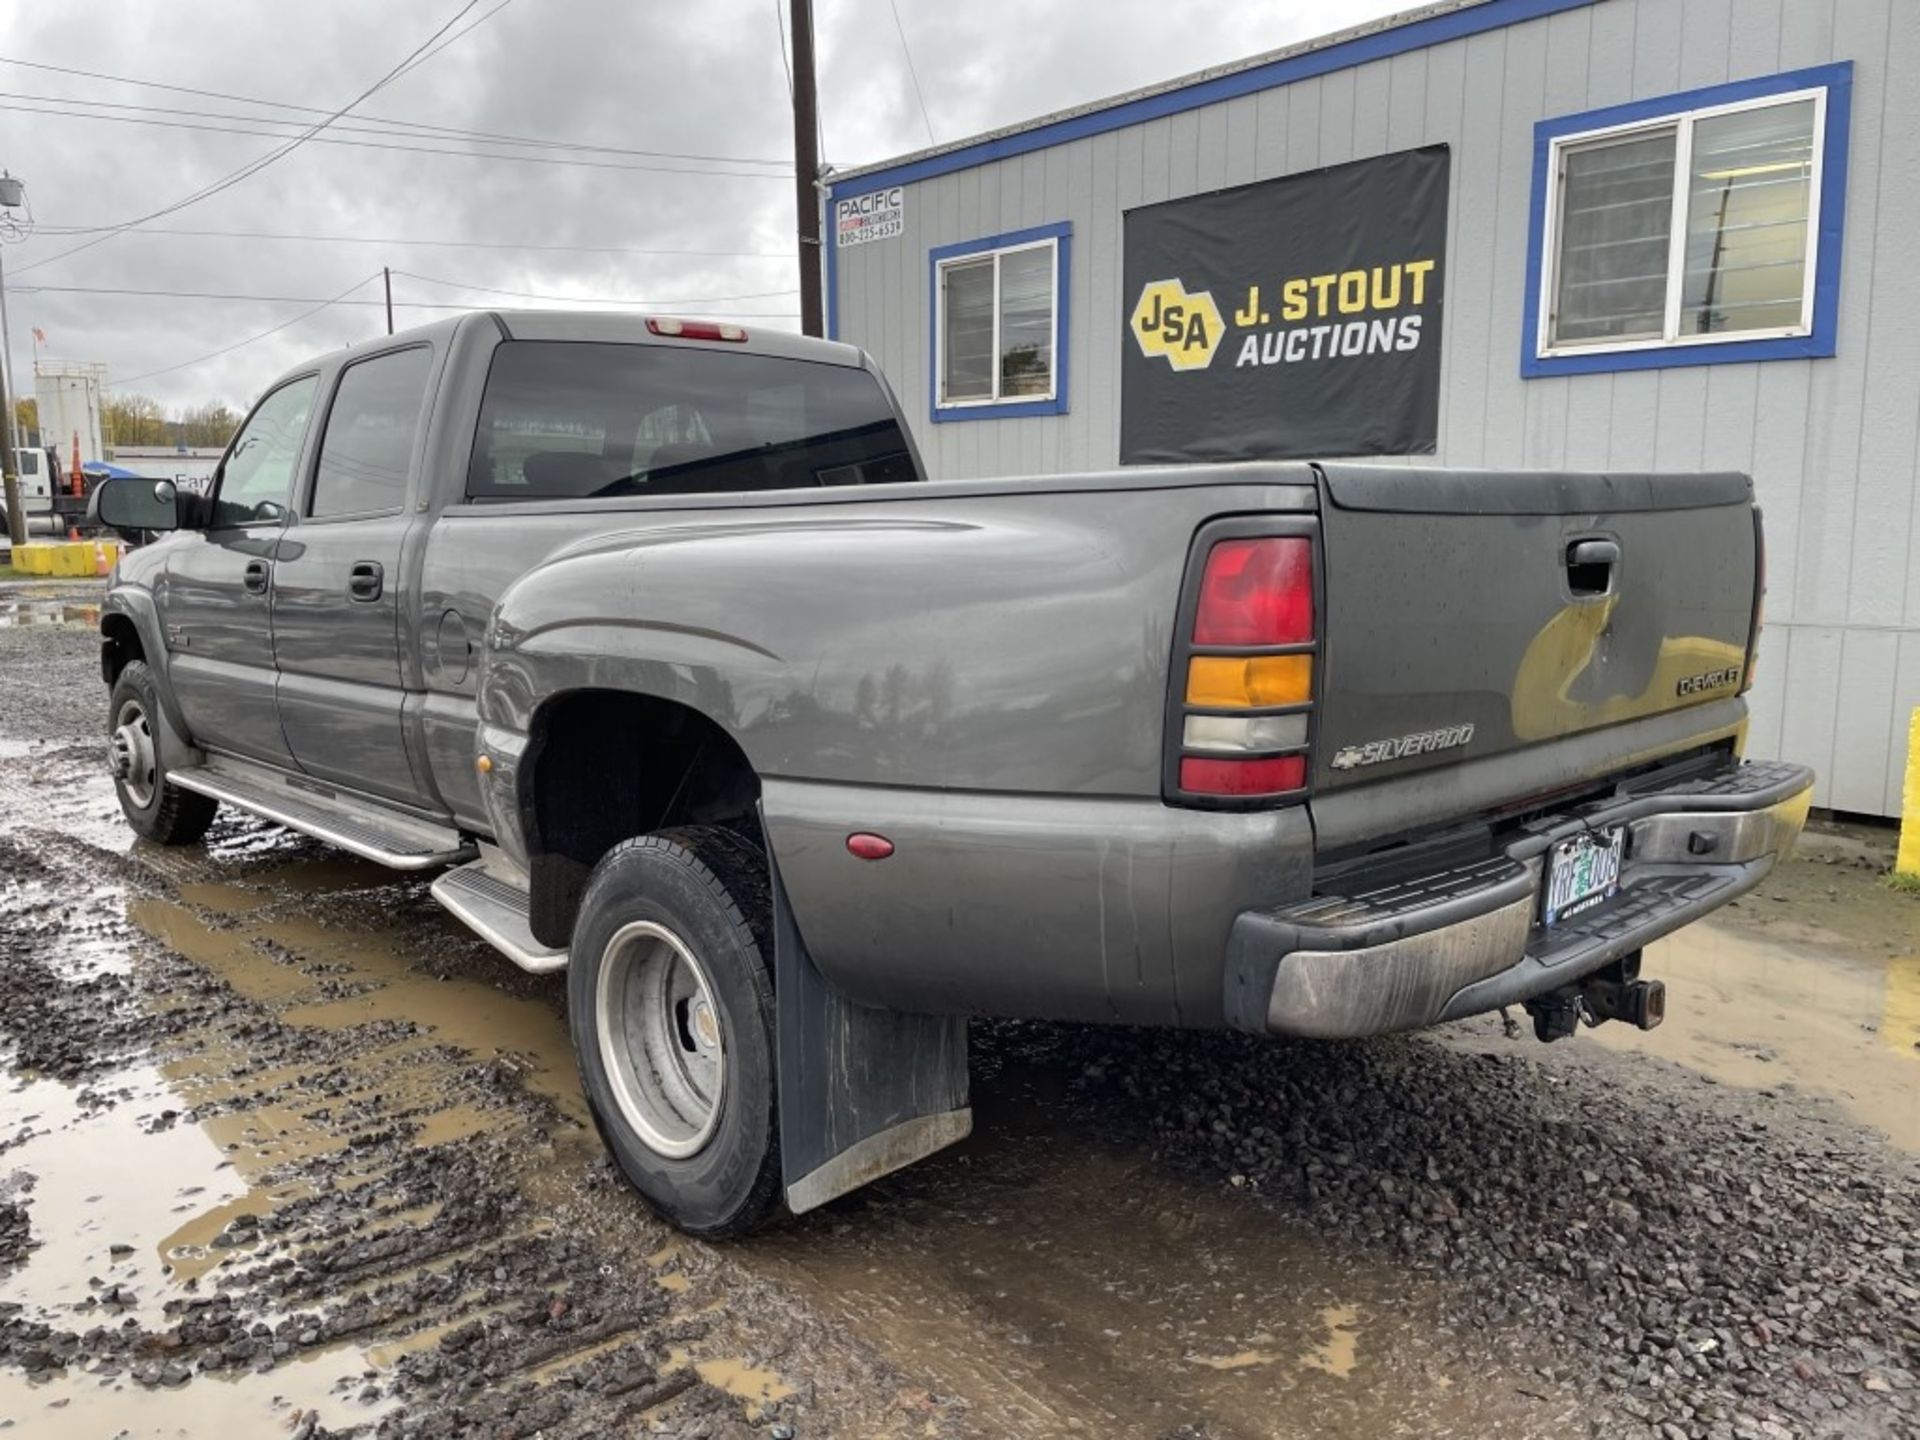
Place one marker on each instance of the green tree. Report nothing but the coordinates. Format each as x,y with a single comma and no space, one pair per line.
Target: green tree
133,420
26,419
209,424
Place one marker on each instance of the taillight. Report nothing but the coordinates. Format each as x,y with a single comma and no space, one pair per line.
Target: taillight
1246,684
694,329
1242,777
1256,592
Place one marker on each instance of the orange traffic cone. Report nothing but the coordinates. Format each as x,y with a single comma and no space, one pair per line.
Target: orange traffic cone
102,562
76,482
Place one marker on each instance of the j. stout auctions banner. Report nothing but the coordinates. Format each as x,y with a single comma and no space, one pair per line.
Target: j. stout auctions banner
1290,318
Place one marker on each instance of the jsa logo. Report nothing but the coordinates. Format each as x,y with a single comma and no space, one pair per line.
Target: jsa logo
1184,328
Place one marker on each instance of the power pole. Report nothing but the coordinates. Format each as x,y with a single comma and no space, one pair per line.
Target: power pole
806,168
387,275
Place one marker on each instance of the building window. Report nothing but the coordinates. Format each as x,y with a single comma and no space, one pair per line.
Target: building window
999,325
1700,228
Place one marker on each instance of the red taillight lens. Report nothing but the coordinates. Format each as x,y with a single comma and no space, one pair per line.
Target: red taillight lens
1256,592
1270,776
694,329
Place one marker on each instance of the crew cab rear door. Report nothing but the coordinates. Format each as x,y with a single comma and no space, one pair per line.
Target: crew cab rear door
1474,614
337,582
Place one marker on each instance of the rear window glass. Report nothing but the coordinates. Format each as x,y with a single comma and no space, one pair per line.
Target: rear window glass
577,420
367,448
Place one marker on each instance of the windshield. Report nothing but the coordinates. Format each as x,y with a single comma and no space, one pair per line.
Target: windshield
581,420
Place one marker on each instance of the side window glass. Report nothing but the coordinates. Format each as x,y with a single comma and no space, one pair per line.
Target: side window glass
257,474
367,449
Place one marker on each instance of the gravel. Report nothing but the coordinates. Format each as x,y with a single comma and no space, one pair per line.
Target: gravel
1719,1267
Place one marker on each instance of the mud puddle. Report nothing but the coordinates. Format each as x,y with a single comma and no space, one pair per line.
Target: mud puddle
1754,1012
115,1197
84,1407
1055,1285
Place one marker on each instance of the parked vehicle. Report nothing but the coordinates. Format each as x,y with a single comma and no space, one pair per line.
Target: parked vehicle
36,471
652,637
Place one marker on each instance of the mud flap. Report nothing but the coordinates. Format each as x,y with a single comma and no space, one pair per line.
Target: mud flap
863,1092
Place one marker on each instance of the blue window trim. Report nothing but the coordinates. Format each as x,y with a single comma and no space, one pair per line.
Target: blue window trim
1837,81
1360,50
1062,236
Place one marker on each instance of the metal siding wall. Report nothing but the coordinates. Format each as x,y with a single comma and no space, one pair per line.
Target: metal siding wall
1833,445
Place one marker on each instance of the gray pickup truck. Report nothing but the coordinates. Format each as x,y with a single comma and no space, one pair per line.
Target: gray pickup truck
652,638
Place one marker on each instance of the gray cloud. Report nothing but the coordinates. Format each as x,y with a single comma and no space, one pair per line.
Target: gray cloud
641,74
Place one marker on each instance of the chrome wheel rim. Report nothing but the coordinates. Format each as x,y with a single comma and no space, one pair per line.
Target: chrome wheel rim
662,1041
130,754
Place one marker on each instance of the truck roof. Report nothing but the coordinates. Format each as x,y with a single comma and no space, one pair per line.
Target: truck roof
594,326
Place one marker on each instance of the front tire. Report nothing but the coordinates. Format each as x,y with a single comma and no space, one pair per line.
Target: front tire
156,808
670,1000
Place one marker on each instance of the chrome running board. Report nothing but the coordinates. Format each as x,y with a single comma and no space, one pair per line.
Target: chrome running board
353,822
495,909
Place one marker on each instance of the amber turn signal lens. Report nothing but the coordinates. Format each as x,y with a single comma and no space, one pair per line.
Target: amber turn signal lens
1241,682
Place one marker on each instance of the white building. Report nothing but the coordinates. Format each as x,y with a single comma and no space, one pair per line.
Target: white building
1668,235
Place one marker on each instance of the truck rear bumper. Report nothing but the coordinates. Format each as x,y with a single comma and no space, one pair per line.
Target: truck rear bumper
1456,942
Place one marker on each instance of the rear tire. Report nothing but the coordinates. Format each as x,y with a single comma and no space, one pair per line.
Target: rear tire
155,807
670,1001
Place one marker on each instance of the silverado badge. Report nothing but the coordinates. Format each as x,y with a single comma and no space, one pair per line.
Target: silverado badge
1424,742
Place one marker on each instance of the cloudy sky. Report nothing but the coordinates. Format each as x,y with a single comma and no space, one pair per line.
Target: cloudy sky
623,85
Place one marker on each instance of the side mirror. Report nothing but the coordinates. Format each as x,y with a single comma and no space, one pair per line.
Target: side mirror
127,504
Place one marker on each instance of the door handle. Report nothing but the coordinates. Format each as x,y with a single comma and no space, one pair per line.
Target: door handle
365,579
254,577
1590,567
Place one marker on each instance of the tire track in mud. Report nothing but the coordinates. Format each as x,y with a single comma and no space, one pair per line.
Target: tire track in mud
385,1225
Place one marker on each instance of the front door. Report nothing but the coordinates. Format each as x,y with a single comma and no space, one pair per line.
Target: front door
214,598
337,583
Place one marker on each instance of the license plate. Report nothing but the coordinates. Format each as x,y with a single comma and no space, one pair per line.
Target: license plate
1582,873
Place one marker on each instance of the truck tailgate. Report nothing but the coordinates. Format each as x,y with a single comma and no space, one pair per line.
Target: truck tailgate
1474,614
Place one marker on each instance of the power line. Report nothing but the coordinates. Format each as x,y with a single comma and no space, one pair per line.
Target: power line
430,244
409,304
256,166
912,74
420,125
242,344
780,19
417,61
527,295
392,145
406,130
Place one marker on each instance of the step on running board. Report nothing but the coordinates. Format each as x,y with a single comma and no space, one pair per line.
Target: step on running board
353,822
495,909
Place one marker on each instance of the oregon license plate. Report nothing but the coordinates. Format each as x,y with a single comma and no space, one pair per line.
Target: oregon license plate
1582,873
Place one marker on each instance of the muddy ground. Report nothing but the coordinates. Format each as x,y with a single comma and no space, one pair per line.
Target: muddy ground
285,1151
